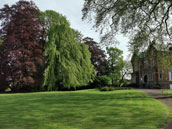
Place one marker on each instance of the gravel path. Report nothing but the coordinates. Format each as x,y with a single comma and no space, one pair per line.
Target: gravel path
157,94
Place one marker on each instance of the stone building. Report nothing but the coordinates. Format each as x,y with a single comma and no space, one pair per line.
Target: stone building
152,68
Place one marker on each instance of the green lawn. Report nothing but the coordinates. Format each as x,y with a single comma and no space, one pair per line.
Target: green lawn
168,92
86,109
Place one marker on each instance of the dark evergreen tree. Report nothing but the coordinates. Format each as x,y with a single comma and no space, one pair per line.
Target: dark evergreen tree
23,36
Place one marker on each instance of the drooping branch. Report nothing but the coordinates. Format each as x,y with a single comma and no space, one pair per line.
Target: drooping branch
130,17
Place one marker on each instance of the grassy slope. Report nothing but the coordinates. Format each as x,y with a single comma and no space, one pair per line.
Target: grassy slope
87,109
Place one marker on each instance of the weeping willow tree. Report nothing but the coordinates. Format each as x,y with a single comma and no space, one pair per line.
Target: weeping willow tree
68,61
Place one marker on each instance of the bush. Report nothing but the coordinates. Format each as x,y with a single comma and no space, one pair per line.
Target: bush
103,81
111,88
125,82
106,88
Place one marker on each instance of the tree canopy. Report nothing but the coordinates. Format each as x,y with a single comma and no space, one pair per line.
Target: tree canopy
126,70
98,57
68,61
143,20
115,64
23,38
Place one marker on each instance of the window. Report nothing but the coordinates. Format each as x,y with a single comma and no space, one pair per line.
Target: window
134,79
145,64
170,76
141,69
150,77
135,68
152,63
160,76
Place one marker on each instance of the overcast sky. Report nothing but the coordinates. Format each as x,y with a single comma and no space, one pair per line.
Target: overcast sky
72,10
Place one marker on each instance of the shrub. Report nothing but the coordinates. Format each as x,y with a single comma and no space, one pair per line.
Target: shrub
116,84
106,88
111,88
103,81
125,82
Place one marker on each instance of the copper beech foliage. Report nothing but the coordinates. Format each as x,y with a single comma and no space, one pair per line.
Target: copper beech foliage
22,50
98,57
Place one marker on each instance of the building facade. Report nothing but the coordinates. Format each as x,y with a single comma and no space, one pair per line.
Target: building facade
152,68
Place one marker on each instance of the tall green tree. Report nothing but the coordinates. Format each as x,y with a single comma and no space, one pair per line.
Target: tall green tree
147,19
115,64
78,36
68,61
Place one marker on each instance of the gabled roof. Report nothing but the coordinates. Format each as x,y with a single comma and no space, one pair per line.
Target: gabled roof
153,45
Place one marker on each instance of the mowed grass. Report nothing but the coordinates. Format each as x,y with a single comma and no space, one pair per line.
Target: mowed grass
168,92
86,109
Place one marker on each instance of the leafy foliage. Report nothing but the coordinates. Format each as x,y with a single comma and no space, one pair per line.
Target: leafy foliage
78,36
164,60
1,42
149,19
98,57
115,64
103,81
68,61
126,70
22,57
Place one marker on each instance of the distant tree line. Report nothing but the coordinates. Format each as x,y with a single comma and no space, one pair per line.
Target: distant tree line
40,51
111,68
